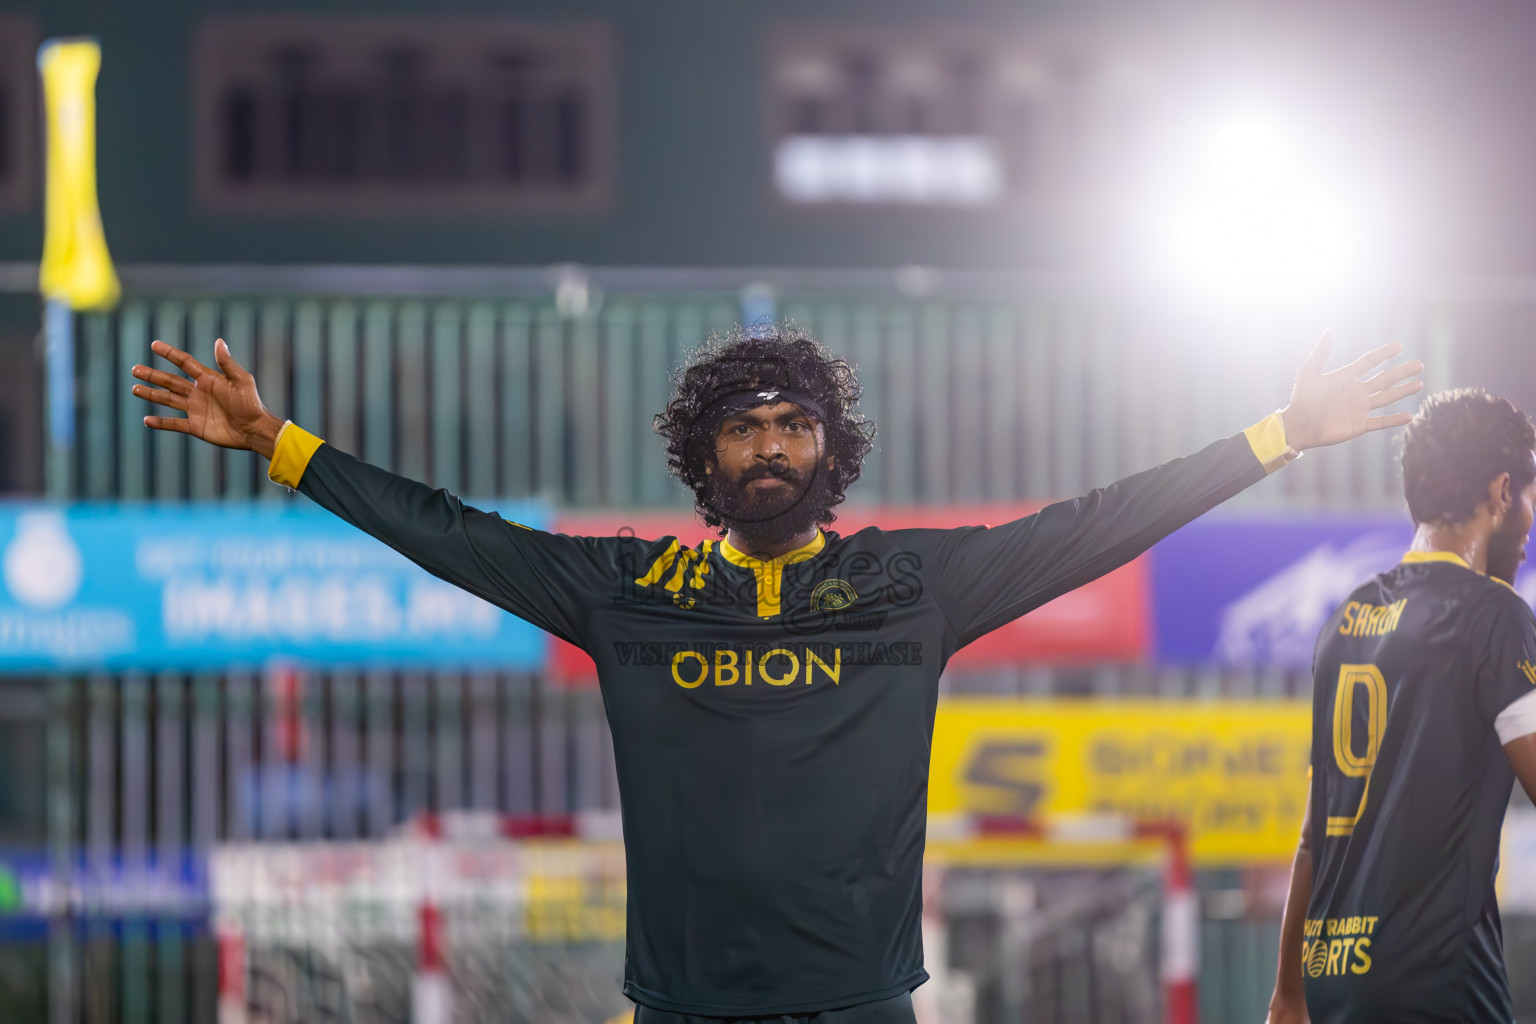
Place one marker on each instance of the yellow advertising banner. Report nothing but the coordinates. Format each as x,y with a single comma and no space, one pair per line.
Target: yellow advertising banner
1234,772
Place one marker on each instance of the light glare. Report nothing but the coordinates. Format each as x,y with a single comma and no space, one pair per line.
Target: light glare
1249,213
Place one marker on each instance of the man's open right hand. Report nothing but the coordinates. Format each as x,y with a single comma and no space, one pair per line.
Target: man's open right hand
222,408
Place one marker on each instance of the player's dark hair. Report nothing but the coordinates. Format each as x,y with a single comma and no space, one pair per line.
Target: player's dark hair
1458,442
782,355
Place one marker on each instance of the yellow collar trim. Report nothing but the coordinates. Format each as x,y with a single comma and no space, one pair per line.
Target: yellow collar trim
1446,556
800,554
1436,556
770,574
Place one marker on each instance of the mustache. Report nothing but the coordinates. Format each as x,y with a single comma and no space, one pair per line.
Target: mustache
764,470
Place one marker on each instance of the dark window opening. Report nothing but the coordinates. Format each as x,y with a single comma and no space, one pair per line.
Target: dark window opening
569,159
239,116
862,72
349,130
514,149
967,87
400,101
808,117
433,112
6,157
446,147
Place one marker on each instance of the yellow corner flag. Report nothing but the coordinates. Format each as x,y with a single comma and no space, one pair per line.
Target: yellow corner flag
76,269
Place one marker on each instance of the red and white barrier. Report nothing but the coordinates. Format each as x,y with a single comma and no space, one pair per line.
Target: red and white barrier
431,993
231,944
431,990
1181,933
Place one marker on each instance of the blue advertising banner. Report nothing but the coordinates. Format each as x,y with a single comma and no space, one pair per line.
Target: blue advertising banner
1254,592
193,586
157,888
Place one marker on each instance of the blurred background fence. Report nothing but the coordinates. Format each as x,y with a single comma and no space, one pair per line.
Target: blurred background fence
509,384
987,388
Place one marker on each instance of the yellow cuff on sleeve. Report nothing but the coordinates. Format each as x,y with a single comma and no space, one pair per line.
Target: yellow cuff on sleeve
1267,439
295,447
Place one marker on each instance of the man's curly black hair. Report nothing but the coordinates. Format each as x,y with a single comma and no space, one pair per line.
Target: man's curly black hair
1458,442
784,356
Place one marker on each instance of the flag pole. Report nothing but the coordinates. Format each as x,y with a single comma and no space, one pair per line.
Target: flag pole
59,338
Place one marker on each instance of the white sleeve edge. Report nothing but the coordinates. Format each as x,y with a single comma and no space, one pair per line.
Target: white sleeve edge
1517,720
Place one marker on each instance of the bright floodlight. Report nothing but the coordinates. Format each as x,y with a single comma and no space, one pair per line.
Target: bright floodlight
1248,211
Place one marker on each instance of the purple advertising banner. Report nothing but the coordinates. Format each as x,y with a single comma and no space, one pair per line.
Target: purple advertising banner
1254,592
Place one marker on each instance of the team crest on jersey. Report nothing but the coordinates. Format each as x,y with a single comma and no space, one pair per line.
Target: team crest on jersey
832,595
1529,670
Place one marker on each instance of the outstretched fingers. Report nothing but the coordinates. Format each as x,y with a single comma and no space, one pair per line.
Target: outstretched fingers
1397,419
176,424
1390,395
1388,377
159,378
169,399
182,360
1372,359
232,369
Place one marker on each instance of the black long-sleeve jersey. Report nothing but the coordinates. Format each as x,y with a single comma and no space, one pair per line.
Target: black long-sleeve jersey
1409,789
771,720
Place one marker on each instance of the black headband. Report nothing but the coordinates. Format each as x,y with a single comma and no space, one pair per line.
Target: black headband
734,402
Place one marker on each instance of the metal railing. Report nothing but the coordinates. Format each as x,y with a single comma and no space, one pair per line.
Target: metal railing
978,395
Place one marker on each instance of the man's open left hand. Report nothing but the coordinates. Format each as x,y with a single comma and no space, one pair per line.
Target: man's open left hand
1327,408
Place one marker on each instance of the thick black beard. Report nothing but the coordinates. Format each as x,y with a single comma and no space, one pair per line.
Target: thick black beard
775,519
1504,550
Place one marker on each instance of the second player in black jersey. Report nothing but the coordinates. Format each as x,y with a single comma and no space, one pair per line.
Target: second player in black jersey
771,694
1424,708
